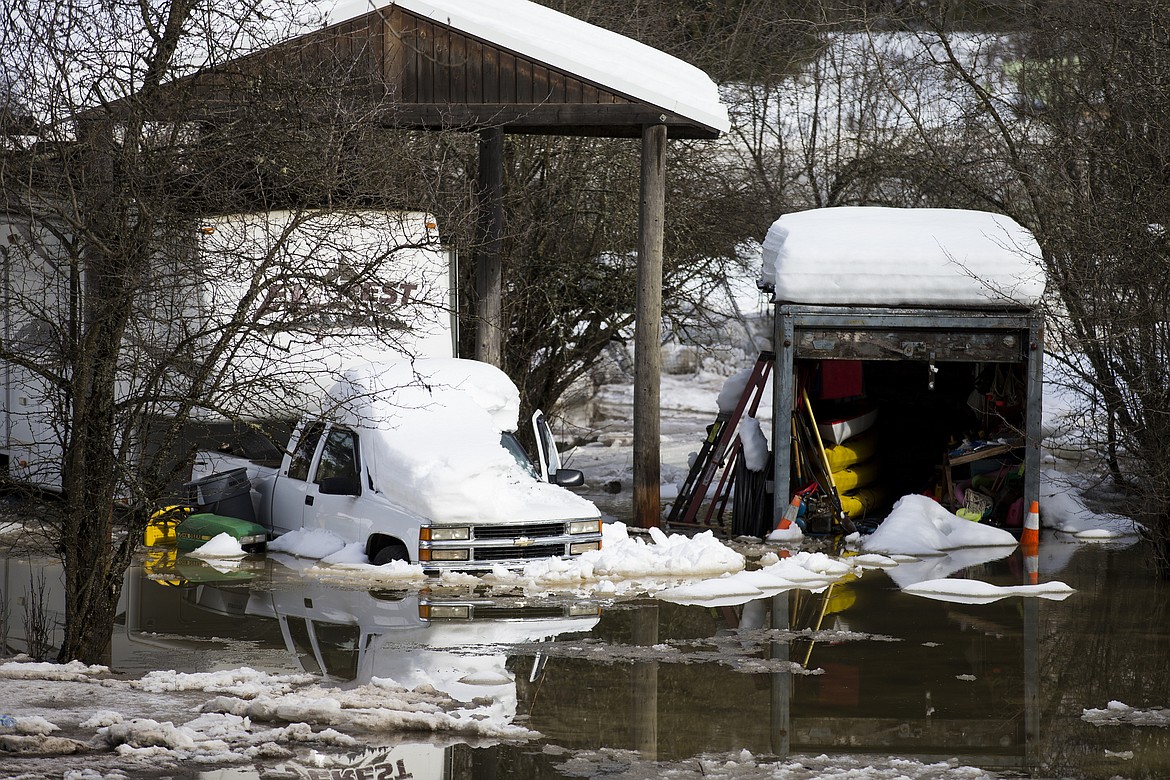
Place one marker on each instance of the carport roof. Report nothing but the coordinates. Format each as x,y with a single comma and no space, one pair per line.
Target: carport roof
608,77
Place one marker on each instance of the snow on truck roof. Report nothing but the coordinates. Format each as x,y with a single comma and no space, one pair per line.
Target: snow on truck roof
433,429
593,53
869,255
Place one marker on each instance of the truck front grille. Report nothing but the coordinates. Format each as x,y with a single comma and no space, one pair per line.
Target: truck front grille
519,553
532,531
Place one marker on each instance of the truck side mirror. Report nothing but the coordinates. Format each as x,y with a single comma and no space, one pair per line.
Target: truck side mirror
340,486
569,477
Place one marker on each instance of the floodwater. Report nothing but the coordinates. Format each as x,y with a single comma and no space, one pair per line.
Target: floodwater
632,688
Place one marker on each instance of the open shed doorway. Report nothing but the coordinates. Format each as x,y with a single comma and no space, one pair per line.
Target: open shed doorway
943,404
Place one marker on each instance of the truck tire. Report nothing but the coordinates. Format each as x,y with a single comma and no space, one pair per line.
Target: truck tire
395,551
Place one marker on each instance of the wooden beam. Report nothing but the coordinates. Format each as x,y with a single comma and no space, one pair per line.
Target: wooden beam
618,120
489,276
648,330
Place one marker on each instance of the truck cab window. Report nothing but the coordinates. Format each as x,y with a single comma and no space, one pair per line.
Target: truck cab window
339,456
298,467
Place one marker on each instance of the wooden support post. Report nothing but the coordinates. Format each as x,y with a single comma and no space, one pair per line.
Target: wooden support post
648,331
489,273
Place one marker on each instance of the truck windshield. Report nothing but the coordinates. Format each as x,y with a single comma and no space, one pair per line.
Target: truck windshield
512,445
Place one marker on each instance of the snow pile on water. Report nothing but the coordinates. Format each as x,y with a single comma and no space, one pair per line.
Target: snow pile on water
251,715
313,543
43,670
1119,714
744,765
807,571
964,591
625,561
918,525
222,545
1062,509
28,726
243,682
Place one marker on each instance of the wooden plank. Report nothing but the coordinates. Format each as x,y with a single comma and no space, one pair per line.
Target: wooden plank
393,58
573,89
490,75
524,80
456,67
507,78
911,344
556,86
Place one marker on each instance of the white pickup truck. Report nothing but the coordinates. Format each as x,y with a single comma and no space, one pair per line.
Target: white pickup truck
418,461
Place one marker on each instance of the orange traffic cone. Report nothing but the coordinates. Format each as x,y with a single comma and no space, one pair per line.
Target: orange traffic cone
789,514
1031,534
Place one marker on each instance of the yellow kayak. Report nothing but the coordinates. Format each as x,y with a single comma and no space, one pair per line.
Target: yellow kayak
858,475
858,502
856,450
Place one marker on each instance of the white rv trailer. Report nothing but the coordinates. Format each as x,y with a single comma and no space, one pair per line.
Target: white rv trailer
314,289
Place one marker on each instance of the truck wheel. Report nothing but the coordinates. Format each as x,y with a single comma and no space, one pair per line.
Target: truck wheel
395,551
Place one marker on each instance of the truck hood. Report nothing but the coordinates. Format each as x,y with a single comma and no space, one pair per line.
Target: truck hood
432,431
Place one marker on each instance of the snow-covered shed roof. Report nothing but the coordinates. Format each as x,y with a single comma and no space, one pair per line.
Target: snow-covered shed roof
605,59
874,256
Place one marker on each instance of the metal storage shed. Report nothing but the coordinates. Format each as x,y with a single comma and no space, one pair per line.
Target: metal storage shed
925,304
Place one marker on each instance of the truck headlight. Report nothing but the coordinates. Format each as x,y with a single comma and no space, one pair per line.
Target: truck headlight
581,547
253,539
458,554
585,527
444,533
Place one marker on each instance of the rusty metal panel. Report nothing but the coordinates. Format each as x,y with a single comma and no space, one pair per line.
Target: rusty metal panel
911,344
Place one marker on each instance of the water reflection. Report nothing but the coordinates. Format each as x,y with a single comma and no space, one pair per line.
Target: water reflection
861,668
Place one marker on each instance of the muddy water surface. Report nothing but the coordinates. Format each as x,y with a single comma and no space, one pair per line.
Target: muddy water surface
625,687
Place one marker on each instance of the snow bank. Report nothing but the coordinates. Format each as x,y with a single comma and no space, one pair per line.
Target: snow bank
1062,509
433,428
918,525
624,561
892,257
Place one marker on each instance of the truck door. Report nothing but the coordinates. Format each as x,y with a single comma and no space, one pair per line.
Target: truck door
291,492
332,499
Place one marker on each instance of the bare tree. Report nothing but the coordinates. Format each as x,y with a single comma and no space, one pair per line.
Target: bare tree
1054,114
1072,142
130,313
